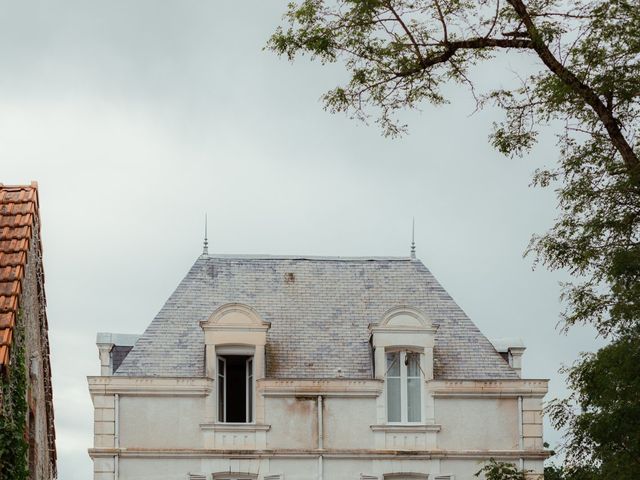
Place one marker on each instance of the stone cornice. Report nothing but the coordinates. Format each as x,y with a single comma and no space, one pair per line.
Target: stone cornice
302,453
326,388
488,388
150,386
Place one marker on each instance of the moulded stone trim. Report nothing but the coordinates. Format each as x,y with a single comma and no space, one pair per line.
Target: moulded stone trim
488,388
326,388
537,454
148,386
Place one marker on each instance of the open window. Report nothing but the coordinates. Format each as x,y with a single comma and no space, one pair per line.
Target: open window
235,388
404,387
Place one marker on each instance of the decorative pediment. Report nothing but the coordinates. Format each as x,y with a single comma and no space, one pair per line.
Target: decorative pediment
235,316
405,317
402,319
403,328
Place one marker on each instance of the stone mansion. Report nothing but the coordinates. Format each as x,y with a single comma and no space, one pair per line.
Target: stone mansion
311,368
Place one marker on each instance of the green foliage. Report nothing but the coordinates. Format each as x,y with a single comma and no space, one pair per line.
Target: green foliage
603,415
494,470
13,413
401,52
553,472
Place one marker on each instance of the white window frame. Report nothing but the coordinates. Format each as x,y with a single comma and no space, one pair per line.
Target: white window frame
249,388
404,391
221,365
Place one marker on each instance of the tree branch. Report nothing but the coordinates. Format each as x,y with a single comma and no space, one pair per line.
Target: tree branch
584,91
450,49
407,31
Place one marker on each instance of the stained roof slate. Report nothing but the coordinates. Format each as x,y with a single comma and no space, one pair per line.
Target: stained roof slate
18,210
319,321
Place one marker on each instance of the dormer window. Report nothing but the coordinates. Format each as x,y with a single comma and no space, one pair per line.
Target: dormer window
403,355
403,385
235,338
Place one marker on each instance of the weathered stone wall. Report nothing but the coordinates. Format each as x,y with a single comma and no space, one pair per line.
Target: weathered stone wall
32,303
165,431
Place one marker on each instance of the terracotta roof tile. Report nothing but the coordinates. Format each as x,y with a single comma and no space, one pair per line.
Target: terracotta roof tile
10,288
6,320
4,355
5,336
14,245
10,232
18,210
13,259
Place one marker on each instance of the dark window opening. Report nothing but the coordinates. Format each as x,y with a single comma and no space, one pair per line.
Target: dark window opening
235,388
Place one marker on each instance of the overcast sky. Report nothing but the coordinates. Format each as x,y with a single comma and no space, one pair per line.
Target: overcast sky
136,118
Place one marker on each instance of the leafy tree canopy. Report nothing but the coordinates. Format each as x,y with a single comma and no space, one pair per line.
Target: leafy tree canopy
400,53
603,414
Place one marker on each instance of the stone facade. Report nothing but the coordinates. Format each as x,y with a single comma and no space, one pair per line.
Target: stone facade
335,425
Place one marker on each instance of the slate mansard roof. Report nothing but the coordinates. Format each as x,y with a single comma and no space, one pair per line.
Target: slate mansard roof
319,317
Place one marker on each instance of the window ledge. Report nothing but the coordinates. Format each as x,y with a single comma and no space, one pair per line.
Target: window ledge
235,427
408,428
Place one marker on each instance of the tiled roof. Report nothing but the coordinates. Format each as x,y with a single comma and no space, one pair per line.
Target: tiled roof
319,317
18,211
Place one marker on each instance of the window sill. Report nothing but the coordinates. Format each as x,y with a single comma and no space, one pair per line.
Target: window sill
406,427
235,427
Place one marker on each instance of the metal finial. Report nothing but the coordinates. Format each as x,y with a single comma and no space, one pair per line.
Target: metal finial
205,248
413,238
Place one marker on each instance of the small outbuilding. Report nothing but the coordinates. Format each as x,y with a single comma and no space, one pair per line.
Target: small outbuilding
27,432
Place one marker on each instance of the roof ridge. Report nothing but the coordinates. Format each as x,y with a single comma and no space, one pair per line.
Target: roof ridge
305,257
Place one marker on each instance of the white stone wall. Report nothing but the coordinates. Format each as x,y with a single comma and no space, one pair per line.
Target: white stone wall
164,430
478,423
161,422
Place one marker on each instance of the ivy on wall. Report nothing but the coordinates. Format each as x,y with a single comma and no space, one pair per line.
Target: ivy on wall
13,411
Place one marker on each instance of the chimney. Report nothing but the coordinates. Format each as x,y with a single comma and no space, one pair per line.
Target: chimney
511,349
